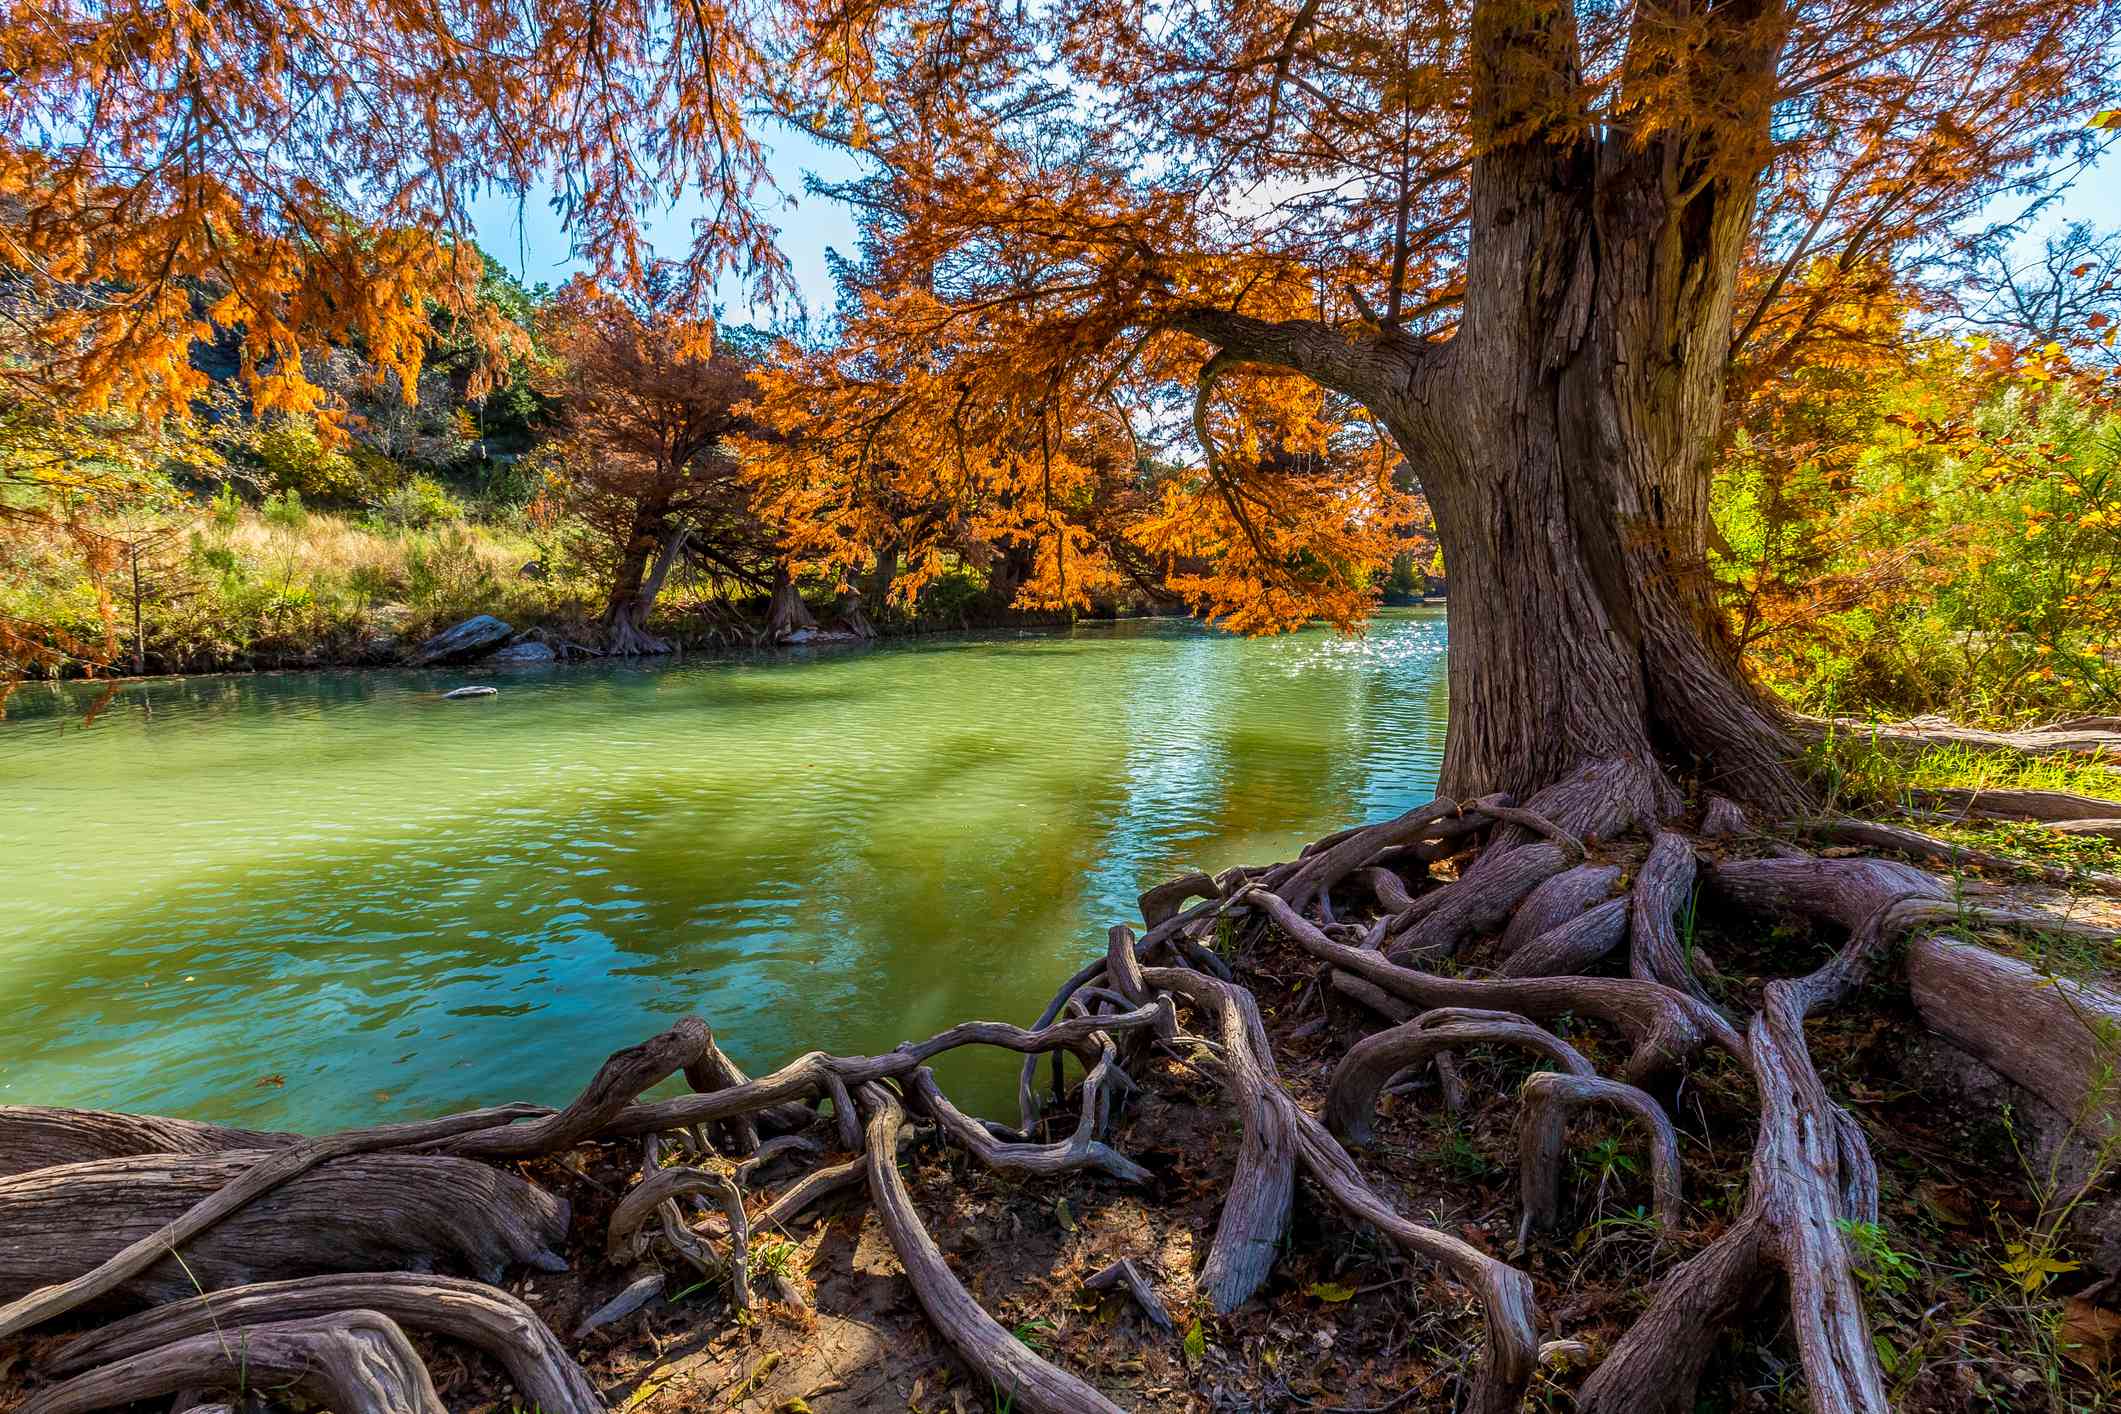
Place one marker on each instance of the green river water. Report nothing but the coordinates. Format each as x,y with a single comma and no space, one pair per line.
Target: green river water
321,900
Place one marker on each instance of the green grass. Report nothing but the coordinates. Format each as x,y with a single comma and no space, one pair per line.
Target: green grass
1859,767
1864,774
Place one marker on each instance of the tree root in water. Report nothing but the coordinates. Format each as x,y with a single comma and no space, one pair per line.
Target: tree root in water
93,1205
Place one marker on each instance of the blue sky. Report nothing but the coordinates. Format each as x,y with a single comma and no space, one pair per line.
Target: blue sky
527,234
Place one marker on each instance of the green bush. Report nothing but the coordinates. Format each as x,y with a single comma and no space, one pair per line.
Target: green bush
444,575
226,508
292,457
420,503
285,510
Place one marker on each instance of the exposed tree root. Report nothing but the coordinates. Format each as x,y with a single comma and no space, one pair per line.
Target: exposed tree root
1247,1073
2048,807
1572,947
479,1315
1557,902
354,1362
359,1216
1435,925
1124,1275
1021,1379
34,1137
2051,1035
1374,1060
637,1293
1870,834
1547,1099
1656,953
1668,1026
58,1214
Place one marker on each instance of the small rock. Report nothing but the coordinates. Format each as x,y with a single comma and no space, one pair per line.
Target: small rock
473,636
534,570
470,692
528,651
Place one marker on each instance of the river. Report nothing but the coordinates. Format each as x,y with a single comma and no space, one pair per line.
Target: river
328,899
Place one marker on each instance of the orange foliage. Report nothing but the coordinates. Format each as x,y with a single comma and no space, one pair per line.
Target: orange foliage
891,445
299,173
646,400
1070,205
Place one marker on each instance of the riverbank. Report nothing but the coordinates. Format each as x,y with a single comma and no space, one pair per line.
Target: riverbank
279,588
921,1260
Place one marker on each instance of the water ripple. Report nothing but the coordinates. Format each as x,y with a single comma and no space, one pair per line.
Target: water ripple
395,905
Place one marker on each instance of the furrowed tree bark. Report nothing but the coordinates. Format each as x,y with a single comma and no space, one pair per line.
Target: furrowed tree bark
1564,436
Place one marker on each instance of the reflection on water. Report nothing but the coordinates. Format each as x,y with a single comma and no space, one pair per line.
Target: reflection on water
399,905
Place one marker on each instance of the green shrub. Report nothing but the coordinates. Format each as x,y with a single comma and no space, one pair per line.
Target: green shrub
420,503
445,575
293,457
285,510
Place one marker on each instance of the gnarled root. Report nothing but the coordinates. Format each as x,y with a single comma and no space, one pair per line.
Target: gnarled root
656,1196
355,1362
1545,1103
1791,1221
1371,1062
1870,834
1668,1026
1013,1370
1248,1076
83,1232
481,1316
1081,1150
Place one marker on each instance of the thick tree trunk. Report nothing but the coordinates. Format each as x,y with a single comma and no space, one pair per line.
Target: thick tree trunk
650,553
1565,435
787,614
1581,626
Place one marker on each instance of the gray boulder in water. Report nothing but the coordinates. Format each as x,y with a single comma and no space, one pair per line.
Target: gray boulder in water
529,651
470,692
468,639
